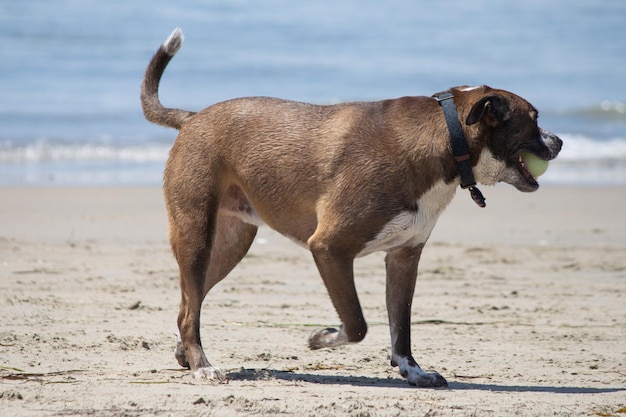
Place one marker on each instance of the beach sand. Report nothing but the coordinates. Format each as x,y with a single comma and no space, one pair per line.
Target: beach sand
520,305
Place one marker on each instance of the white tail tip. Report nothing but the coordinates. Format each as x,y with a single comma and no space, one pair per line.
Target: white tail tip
173,42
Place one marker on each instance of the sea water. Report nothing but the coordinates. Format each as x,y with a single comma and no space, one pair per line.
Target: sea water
70,72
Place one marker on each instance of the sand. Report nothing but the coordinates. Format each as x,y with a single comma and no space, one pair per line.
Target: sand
520,305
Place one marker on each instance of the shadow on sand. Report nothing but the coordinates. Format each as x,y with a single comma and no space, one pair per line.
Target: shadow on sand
261,374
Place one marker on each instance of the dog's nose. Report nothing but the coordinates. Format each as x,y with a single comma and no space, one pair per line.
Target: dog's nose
552,141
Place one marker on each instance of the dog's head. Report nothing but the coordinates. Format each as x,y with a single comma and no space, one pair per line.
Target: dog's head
505,125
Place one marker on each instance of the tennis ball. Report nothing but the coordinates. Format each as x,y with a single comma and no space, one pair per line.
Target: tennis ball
535,165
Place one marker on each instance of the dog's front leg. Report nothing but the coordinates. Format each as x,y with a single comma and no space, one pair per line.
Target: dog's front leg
336,269
401,276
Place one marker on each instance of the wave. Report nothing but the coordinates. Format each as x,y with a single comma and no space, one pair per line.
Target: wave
582,148
583,160
576,148
609,110
42,151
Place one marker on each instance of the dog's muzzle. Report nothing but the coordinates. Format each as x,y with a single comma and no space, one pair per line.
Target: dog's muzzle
552,142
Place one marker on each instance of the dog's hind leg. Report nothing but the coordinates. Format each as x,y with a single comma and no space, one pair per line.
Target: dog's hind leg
191,243
401,276
204,260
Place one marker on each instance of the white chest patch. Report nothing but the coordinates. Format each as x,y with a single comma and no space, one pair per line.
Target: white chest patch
413,227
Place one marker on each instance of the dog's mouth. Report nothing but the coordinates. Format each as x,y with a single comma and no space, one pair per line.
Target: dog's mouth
536,154
523,170
520,174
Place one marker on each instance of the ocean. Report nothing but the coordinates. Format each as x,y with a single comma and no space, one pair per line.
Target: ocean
70,72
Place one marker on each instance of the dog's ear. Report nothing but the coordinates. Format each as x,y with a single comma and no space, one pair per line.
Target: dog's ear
493,109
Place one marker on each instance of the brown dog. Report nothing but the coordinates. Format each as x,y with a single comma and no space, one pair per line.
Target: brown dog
344,180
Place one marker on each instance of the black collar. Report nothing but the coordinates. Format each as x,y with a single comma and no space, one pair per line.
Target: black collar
459,146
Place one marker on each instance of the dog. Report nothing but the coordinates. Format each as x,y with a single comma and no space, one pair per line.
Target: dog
343,180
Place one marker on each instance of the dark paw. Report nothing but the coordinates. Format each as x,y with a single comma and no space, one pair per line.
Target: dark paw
429,380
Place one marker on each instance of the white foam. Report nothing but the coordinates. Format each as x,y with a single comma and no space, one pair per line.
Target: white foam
583,148
582,160
43,151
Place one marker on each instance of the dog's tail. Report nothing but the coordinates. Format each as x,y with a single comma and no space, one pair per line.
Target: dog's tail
153,110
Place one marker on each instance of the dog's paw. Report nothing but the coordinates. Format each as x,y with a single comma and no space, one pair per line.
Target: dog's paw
416,377
325,338
179,353
210,373
427,380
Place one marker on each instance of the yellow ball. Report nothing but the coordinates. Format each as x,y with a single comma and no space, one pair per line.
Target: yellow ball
535,165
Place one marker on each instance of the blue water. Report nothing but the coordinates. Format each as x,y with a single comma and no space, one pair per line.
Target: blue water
70,72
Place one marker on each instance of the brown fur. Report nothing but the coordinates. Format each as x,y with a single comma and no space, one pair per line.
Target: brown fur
329,177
